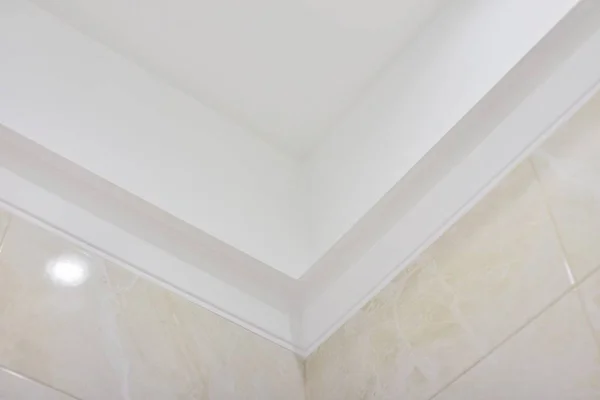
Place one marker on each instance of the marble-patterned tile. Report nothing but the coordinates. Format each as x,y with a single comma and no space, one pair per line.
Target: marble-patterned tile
555,357
117,336
407,342
503,259
177,350
60,335
568,165
15,387
498,267
590,295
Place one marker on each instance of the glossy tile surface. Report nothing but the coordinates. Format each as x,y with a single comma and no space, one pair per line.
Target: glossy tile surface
503,259
568,165
490,274
404,342
590,295
14,387
554,357
118,336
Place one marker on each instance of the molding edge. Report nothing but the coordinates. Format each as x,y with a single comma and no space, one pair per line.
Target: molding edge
566,74
41,207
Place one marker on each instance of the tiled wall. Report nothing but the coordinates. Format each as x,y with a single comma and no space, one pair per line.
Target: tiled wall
120,337
505,305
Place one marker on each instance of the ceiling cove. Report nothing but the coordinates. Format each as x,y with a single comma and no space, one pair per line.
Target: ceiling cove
246,165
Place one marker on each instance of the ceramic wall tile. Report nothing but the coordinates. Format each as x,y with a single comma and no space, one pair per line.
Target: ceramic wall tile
568,165
14,387
117,336
590,294
490,274
58,335
503,259
555,357
406,342
175,349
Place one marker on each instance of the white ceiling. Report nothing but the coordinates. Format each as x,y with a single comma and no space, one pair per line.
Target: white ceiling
286,69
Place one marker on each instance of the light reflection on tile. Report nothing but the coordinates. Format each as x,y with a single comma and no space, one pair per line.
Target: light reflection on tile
490,274
13,387
117,336
569,168
554,357
60,336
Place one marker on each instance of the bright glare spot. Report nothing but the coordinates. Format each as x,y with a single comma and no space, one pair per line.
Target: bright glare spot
68,270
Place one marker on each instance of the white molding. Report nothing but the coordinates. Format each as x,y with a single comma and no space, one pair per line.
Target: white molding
562,92
437,80
550,83
99,110
33,203
140,219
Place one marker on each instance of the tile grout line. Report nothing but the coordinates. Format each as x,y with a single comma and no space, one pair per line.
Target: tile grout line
10,371
582,303
563,249
574,286
500,344
35,381
573,289
588,320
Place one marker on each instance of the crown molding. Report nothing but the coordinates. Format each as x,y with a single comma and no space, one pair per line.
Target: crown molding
541,93
501,128
34,203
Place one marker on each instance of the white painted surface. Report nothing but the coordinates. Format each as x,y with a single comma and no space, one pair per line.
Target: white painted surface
284,68
437,80
91,106
98,110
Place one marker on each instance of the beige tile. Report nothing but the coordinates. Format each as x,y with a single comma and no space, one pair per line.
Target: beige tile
118,336
441,341
405,343
554,357
63,336
590,295
569,168
490,274
14,387
503,260
177,350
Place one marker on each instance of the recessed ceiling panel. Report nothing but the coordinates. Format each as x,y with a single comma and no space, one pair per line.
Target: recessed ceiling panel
286,69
